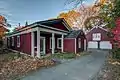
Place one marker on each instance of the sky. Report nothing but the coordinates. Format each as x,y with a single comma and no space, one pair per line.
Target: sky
20,11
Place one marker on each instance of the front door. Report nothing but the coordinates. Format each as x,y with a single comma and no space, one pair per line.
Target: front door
42,45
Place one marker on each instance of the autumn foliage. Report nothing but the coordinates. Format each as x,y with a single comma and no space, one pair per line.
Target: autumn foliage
116,34
70,16
2,26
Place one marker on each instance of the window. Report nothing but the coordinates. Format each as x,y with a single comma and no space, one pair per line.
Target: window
59,43
79,43
18,41
12,41
50,43
96,36
8,42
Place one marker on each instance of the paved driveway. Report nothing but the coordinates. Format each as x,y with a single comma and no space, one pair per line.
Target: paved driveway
83,68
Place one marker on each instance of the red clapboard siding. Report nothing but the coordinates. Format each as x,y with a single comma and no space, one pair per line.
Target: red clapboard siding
25,46
69,45
104,36
60,26
25,43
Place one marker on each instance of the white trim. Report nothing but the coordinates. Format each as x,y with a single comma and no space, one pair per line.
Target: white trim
97,27
35,29
13,43
19,52
18,41
64,23
62,43
103,29
69,38
79,42
50,42
75,46
85,43
50,27
96,36
38,42
44,44
32,44
58,43
53,43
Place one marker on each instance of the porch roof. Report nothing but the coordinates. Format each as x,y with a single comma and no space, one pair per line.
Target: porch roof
49,24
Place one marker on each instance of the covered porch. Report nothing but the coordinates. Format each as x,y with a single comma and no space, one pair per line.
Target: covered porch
45,41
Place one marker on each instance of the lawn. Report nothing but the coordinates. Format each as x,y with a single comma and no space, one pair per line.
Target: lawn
66,55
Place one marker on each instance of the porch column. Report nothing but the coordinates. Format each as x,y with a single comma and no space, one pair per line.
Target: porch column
62,43
38,42
32,44
53,43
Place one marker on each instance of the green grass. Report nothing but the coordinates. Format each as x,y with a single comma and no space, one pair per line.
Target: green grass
62,56
10,56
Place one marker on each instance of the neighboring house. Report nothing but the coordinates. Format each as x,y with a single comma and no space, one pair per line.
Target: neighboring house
97,38
44,37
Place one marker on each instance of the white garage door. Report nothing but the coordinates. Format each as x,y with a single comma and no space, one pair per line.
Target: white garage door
105,45
92,44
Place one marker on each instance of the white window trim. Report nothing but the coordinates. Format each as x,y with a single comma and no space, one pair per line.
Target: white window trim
79,42
50,43
96,36
18,44
12,41
58,43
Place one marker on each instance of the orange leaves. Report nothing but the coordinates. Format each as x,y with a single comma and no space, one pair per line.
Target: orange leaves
102,1
70,17
2,26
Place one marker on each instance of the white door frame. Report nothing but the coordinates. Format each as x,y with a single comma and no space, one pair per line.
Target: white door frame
85,42
44,48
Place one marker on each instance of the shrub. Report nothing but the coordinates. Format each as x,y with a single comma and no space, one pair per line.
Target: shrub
116,53
1,43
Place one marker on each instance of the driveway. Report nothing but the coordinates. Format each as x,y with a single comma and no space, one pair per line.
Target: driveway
83,68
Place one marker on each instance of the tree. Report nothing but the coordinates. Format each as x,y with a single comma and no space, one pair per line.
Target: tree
70,17
3,26
89,15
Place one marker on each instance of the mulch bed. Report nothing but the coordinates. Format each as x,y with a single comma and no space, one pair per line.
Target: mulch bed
12,67
110,70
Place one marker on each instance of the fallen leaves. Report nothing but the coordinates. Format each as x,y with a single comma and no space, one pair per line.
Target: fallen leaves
110,71
21,66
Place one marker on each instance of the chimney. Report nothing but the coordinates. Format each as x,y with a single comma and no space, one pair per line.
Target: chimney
19,24
26,23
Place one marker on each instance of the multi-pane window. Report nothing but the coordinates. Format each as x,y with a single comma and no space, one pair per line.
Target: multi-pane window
79,43
59,43
96,36
18,41
12,41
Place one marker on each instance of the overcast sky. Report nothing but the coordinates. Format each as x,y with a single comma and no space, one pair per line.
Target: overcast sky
19,11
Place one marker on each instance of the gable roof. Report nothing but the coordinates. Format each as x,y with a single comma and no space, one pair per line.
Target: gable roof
51,22
97,27
74,34
46,24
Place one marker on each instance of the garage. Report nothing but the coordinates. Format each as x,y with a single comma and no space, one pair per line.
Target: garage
92,44
105,45
97,38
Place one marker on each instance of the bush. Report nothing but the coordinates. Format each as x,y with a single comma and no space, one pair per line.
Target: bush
1,43
116,53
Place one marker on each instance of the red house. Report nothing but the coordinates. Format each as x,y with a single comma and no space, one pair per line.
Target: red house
97,38
49,36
